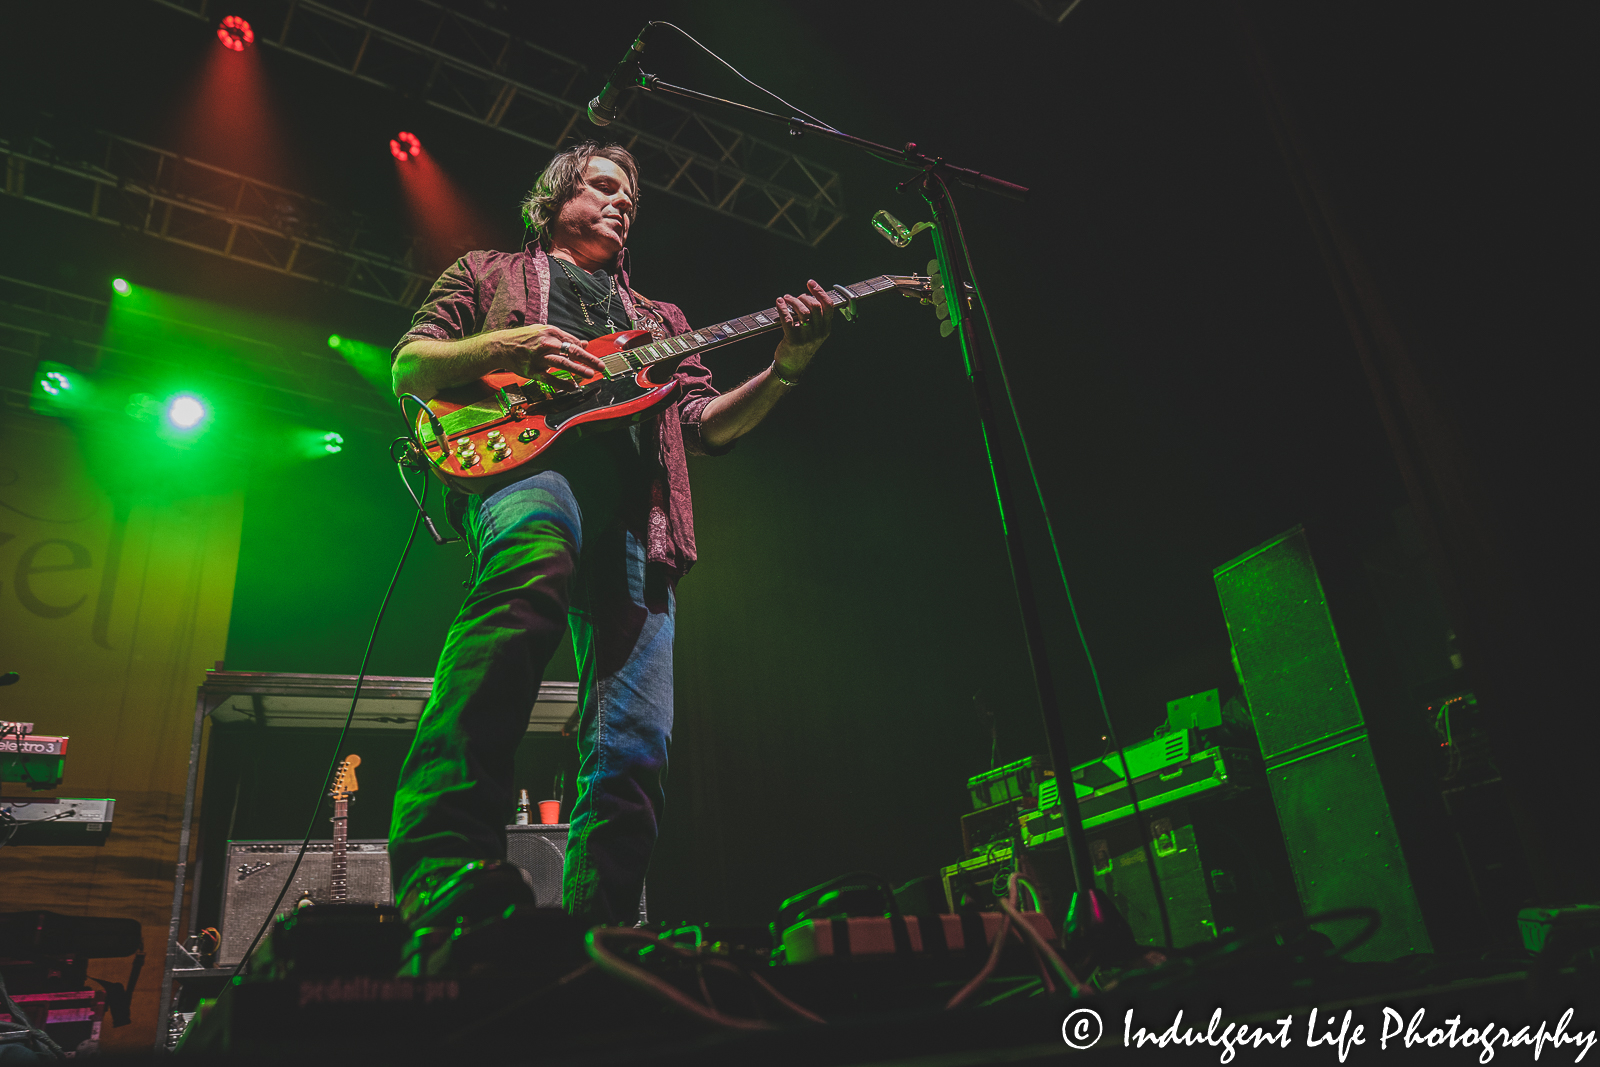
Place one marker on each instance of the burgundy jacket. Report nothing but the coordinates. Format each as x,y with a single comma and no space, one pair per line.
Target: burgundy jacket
485,291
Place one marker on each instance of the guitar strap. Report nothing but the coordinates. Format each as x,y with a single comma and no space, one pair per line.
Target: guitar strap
646,316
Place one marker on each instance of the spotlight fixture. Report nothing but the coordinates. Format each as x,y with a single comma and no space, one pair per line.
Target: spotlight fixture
405,146
334,340
59,390
185,411
235,33
332,443
121,286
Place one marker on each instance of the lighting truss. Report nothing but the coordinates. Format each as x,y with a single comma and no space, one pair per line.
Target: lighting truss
472,70
284,382
1055,11
124,183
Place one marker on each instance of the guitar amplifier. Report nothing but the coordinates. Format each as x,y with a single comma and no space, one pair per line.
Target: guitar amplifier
539,850
256,870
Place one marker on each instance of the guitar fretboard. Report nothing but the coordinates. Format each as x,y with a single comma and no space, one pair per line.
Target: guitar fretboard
703,340
339,882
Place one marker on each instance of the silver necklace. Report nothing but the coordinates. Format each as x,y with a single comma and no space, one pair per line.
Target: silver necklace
584,307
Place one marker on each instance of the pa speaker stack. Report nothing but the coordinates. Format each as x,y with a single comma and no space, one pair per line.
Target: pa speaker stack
1353,769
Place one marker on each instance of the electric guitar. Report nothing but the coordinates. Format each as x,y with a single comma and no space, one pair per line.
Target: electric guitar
473,432
344,783
335,936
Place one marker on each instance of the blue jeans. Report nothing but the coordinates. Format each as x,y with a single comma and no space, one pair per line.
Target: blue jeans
536,574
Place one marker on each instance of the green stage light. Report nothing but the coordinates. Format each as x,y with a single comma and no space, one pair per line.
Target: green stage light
59,390
121,286
186,412
306,443
369,361
144,407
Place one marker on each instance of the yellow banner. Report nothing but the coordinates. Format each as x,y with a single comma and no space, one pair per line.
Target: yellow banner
114,599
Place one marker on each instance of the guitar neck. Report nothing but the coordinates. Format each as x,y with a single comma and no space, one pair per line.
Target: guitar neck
338,882
765,321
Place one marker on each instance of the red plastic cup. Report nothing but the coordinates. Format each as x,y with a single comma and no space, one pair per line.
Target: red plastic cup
549,811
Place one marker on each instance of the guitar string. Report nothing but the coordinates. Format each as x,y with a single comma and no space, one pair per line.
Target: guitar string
723,332
720,333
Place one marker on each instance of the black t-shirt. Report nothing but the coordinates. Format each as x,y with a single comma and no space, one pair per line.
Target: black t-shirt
604,303
606,462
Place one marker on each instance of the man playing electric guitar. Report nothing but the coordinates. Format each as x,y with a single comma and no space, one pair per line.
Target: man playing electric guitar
597,541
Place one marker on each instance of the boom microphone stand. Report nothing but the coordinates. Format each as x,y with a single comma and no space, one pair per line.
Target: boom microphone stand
1092,926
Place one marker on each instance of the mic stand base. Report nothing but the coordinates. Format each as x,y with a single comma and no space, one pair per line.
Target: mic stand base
1095,935
1092,927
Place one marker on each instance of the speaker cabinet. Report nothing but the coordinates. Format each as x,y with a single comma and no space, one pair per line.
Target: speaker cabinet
256,870
1348,765
539,850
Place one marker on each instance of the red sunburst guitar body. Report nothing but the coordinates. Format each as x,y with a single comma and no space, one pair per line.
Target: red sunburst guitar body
473,434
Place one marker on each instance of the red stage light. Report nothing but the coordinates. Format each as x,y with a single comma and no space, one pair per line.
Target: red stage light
405,146
235,33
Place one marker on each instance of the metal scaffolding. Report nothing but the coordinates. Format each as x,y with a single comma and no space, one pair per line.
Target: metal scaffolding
1053,11
476,72
280,381
123,183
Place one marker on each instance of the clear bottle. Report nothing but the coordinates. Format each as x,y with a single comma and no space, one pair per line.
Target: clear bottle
524,810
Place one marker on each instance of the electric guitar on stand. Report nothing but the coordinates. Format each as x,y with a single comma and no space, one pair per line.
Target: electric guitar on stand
337,935
470,433
344,784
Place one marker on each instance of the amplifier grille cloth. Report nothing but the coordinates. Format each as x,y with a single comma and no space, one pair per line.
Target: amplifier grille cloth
256,871
539,850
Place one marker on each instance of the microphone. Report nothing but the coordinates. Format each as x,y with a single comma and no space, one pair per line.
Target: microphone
603,108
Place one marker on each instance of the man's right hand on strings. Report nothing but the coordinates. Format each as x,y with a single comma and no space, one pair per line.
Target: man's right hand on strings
425,366
536,351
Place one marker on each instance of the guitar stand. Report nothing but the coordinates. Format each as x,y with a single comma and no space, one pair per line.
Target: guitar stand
1094,932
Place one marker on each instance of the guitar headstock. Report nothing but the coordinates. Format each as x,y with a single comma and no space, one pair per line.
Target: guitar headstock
344,779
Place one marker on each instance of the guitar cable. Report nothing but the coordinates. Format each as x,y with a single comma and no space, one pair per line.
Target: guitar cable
413,455
338,747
